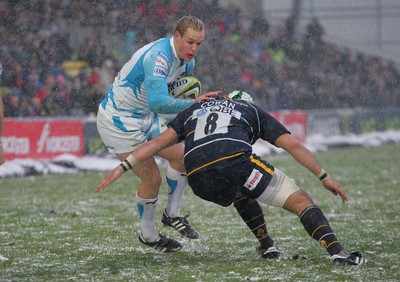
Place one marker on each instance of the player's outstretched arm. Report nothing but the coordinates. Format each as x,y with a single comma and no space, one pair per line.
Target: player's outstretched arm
305,157
142,153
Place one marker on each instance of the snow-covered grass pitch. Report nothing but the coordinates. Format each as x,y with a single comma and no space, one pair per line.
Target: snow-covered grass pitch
56,228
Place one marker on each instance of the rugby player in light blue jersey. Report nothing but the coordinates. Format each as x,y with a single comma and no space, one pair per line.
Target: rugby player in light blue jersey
129,116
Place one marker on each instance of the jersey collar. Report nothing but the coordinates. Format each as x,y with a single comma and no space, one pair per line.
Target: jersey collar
173,48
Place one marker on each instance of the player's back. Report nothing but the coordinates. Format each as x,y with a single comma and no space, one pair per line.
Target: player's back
217,131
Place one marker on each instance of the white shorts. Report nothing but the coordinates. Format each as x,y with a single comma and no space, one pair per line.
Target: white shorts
278,190
136,131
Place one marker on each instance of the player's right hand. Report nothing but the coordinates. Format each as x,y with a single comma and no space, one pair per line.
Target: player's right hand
335,189
207,96
109,178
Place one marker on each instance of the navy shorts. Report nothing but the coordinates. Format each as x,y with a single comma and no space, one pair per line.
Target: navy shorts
220,185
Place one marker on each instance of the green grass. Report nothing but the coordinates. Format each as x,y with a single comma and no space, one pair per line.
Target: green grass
56,228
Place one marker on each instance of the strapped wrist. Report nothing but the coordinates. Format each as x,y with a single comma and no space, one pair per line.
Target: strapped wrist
128,163
323,175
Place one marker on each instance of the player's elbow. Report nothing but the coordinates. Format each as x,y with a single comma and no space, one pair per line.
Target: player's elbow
155,107
288,142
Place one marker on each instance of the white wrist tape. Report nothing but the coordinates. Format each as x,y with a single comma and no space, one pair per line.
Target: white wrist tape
323,176
128,163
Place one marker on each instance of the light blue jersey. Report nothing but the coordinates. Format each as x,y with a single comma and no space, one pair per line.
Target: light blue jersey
129,115
141,87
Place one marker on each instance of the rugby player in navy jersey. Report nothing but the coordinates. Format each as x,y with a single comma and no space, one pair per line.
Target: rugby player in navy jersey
222,168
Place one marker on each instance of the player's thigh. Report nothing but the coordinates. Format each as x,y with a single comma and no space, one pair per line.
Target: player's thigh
174,155
280,188
147,171
118,141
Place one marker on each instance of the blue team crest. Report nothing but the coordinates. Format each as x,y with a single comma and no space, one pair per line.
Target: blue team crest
200,112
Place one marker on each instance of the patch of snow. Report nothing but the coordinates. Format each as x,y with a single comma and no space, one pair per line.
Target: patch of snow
68,163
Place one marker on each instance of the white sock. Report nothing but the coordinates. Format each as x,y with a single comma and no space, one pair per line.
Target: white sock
176,186
147,210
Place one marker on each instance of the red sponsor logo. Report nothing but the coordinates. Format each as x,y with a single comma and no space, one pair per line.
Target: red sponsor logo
162,63
294,121
42,139
253,179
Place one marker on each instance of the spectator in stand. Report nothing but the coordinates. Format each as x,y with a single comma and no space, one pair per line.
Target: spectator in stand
26,108
92,52
91,92
49,83
37,108
106,74
2,155
54,103
12,108
315,31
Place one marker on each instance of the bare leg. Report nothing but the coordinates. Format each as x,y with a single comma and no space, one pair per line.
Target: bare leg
147,196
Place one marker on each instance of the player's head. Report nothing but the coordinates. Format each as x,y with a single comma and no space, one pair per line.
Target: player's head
188,37
189,22
240,95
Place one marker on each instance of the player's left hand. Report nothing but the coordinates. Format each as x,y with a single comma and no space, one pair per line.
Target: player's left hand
109,178
335,189
207,96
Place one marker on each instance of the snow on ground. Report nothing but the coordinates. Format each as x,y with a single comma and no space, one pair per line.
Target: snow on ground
71,164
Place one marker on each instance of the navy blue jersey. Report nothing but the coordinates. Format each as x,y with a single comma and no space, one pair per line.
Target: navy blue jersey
220,133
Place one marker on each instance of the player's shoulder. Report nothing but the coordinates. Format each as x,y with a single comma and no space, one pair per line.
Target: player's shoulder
250,111
162,46
244,105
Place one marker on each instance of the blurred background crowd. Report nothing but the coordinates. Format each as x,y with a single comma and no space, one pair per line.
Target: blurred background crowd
59,57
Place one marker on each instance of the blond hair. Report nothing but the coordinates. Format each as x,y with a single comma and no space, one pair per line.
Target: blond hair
189,22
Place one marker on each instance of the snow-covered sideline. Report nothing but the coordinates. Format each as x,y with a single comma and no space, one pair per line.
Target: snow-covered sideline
71,164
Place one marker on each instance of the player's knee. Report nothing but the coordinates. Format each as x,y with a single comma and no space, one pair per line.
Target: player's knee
156,181
175,161
298,202
178,165
153,180
241,201
173,154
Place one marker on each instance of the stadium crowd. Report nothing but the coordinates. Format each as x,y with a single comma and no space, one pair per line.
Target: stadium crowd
59,57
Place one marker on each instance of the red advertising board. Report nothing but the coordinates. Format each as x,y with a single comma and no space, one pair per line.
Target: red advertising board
294,121
42,139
